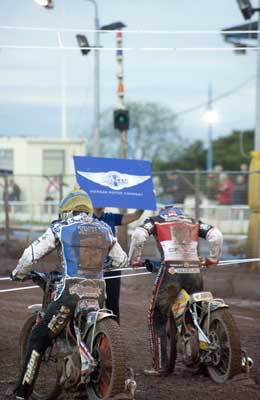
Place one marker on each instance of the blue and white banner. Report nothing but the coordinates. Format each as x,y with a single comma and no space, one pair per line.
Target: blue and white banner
116,182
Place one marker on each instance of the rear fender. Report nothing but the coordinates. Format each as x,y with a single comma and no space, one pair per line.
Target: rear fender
213,306
208,308
102,314
35,307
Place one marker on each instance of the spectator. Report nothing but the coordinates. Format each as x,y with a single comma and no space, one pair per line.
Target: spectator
176,188
158,189
244,172
212,185
218,169
113,285
244,168
53,193
225,190
240,190
14,191
52,190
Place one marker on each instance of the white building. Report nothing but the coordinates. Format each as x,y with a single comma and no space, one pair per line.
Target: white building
32,160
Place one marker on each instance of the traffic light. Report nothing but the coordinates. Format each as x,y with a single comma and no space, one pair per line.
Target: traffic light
121,120
83,44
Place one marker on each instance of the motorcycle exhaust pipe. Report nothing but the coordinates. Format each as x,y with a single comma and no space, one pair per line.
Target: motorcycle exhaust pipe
247,363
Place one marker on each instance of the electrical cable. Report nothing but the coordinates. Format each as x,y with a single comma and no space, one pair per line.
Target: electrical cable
217,98
138,31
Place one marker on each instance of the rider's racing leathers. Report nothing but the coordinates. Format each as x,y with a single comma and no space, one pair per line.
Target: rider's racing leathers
83,243
177,239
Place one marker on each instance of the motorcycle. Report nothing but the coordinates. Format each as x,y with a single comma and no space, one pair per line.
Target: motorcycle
201,329
87,357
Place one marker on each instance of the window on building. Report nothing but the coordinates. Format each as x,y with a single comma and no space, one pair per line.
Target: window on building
53,162
6,159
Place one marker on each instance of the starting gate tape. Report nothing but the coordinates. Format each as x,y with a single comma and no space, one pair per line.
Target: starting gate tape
221,263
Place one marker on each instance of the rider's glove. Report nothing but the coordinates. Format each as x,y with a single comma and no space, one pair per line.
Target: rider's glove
136,264
148,265
16,276
209,262
108,263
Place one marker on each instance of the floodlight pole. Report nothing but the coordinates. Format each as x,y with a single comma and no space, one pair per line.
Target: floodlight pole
96,147
257,127
96,127
210,128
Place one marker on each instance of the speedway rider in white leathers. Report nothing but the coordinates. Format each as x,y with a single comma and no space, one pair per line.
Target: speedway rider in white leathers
83,243
177,238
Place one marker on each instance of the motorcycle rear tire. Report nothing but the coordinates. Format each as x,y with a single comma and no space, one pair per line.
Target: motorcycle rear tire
54,390
224,333
108,379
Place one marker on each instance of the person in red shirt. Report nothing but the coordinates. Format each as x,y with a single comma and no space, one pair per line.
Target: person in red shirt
225,190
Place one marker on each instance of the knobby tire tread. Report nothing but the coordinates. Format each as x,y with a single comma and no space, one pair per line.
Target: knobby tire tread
224,315
112,330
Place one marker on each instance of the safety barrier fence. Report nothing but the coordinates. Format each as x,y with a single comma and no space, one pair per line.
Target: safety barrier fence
221,263
218,197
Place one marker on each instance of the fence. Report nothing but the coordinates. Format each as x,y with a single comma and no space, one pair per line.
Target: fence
219,198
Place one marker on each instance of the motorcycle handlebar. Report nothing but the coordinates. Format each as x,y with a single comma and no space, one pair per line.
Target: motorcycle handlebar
40,277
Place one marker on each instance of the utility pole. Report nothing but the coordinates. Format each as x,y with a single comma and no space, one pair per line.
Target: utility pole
257,127
119,119
253,249
96,82
254,171
121,92
209,109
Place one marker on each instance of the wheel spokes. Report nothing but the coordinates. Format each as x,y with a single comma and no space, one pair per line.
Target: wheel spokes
221,355
104,369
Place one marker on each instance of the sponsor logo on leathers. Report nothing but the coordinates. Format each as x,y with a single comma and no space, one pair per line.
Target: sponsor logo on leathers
114,179
87,291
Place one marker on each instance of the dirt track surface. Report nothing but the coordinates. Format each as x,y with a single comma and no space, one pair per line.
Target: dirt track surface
135,295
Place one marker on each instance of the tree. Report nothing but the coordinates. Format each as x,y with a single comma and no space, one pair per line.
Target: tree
229,152
191,157
233,150
152,135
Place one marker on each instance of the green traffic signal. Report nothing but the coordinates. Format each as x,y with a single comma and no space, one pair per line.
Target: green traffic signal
121,120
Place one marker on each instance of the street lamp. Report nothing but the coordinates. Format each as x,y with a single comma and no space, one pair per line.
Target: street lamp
50,4
45,3
248,10
211,118
96,128
96,47
84,46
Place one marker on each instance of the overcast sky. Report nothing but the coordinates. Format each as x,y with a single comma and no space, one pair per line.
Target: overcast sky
30,79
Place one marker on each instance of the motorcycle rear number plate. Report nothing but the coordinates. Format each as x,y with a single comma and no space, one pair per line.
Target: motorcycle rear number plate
173,270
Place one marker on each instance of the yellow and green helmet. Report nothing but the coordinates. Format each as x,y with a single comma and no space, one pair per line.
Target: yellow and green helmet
77,200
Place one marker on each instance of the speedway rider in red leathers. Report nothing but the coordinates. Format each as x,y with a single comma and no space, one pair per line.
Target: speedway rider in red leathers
177,238
83,243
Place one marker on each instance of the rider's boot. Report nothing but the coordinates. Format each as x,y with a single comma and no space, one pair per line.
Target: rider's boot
25,385
160,358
